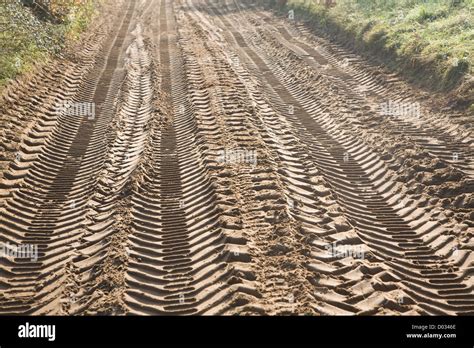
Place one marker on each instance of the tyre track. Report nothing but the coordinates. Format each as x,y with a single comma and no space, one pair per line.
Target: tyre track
103,253
227,95
287,286
183,268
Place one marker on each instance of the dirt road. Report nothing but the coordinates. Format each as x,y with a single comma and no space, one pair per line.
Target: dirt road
230,162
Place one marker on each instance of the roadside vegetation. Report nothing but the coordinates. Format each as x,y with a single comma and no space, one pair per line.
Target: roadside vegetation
33,32
430,41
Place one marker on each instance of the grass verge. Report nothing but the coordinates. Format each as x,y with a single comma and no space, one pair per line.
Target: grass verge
26,38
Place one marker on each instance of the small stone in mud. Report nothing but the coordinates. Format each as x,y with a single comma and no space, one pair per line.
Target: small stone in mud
248,275
342,226
240,301
234,280
281,231
288,265
278,249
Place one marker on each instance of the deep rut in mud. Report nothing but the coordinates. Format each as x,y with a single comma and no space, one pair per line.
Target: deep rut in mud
236,163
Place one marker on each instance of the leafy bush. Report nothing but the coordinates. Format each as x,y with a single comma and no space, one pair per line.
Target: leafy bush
27,35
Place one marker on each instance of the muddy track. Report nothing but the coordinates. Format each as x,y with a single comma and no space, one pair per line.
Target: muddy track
236,163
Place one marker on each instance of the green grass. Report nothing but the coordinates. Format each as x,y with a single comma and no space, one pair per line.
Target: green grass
79,19
26,39
433,37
